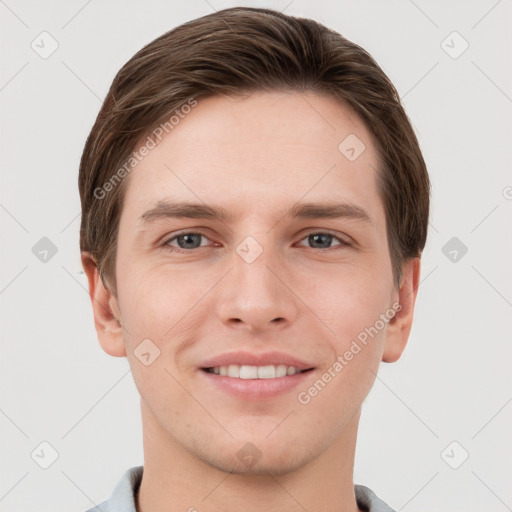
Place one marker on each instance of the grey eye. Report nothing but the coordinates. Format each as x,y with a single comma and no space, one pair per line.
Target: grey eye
188,240
320,240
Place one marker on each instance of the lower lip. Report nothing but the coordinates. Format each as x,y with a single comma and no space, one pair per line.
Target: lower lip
256,389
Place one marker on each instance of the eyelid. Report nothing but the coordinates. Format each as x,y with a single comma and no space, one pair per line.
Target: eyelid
318,231
311,231
170,238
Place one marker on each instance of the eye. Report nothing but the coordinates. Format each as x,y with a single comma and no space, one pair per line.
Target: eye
186,241
324,240
190,240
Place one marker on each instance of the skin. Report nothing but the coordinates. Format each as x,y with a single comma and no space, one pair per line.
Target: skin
256,157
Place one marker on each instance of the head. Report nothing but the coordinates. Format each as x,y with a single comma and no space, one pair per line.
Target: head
250,114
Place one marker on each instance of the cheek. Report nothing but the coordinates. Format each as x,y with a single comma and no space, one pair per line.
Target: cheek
160,300
348,301
154,306
162,305
351,310
153,293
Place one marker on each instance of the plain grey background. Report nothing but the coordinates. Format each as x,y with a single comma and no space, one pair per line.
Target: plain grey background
448,397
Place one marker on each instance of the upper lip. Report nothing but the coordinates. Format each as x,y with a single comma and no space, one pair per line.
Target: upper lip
253,359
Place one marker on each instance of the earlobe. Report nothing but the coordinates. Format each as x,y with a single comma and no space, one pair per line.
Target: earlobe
399,327
105,310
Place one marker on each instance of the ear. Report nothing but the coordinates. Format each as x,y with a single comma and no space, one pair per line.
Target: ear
399,327
105,309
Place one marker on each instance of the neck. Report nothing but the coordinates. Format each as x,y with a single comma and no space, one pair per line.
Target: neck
174,479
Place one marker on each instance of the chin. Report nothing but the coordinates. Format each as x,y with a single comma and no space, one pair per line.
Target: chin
260,458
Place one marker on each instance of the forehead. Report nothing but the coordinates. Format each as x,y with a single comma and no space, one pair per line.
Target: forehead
260,153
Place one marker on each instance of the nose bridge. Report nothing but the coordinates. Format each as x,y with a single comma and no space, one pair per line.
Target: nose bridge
253,294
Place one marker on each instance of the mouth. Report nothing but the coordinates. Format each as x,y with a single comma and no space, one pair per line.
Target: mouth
255,372
255,383
246,375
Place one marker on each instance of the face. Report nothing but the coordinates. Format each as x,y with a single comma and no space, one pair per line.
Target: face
245,331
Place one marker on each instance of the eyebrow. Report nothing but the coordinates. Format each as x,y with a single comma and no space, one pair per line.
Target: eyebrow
330,210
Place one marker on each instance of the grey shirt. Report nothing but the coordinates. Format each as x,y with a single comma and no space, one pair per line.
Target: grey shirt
123,496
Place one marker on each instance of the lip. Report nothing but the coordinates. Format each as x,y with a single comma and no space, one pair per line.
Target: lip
255,389
253,359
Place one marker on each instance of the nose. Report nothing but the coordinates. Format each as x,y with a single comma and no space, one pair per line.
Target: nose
256,296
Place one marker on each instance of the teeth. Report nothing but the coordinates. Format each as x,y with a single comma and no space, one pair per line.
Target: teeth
248,372
264,372
254,372
281,370
233,370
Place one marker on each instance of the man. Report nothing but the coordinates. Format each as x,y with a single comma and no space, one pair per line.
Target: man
254,208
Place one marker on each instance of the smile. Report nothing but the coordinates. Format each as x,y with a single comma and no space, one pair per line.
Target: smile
254,372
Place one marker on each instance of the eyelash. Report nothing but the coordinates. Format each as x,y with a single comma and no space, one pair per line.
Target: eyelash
166,246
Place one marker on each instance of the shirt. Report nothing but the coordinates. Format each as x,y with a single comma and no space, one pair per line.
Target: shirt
123,496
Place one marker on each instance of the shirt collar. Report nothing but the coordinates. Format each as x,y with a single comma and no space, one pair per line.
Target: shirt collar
123,497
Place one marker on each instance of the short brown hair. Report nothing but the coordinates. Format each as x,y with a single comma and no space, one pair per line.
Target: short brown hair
234,52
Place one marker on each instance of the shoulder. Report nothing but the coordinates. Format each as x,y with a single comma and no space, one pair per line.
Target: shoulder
368,501
102,507
122,498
